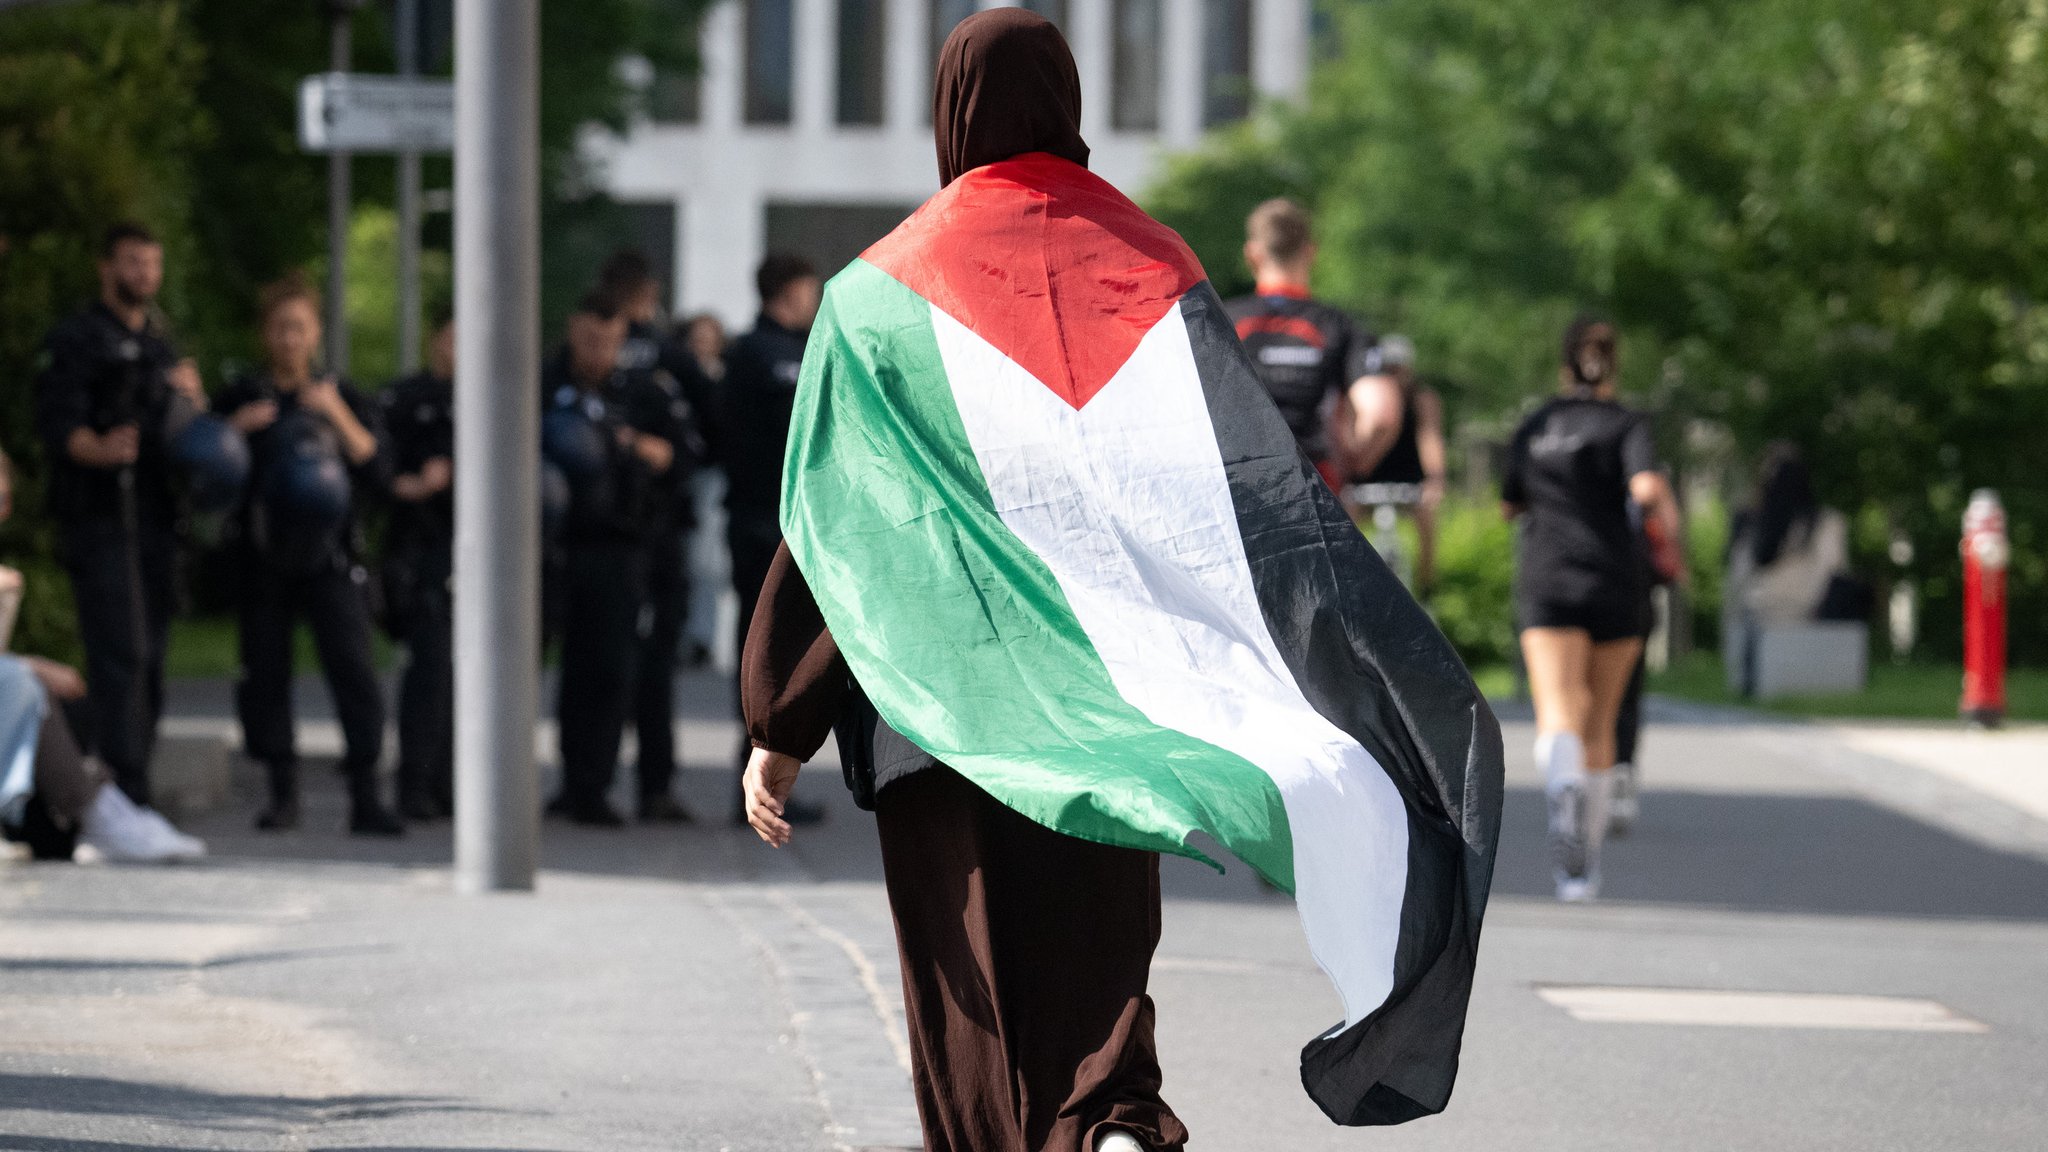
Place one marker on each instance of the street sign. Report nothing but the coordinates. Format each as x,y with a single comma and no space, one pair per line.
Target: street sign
354,112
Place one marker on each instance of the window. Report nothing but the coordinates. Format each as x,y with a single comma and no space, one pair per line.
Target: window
674,93
1134,83
770,61
862,45
1226,60
830,236
1053,10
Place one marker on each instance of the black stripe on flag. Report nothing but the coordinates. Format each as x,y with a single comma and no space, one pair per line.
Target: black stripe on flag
1371,661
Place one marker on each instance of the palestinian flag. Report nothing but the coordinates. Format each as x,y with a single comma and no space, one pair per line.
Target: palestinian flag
1069,548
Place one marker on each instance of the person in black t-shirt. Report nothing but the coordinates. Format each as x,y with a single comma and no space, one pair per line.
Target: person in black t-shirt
616,449
1580,585
419,563
1310,355
1399,440
314,444
110,388
757,397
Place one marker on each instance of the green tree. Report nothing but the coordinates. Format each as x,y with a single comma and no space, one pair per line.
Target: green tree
1819,220
97,124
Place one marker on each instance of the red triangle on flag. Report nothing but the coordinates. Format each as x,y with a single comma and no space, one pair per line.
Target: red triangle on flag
1048,263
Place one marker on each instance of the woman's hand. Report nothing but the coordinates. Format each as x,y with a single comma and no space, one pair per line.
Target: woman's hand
770,778
61,681
252,418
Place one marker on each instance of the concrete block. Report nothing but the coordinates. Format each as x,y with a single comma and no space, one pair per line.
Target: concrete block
1812,659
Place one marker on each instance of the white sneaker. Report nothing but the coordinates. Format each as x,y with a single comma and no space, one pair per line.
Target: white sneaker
117,830
1578,889
1621,818
1567,830
1118,1142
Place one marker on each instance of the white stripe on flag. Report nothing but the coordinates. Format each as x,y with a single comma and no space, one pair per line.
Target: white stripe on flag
1128,504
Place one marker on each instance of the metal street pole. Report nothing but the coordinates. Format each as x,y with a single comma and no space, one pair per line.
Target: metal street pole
408,204
497,426
337,207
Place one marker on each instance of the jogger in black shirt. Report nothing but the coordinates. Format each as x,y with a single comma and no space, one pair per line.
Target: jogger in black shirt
1580,585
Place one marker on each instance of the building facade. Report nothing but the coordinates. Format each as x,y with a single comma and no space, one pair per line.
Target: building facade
809,129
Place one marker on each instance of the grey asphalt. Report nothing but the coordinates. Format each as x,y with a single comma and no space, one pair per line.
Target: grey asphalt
691,989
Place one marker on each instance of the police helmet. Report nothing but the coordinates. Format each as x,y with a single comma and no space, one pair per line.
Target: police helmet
571,441
215,460
305,491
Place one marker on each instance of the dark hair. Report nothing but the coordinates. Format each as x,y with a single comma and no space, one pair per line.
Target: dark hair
779,271
626,272
1575,336
599,303
282,291
440,317
125,232
1785,501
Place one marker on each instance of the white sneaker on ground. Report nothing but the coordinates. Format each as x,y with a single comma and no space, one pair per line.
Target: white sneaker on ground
1567,829
1118,1142
1627,808
118,830
1578,889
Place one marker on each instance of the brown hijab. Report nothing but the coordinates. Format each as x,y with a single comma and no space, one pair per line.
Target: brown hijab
1006,85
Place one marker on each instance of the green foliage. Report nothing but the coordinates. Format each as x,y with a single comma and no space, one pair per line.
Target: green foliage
97,124
1910,691
373,293
1820,220
1473,601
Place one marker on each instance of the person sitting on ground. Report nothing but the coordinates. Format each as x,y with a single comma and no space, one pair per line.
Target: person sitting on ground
52,794
1788,561
1787,552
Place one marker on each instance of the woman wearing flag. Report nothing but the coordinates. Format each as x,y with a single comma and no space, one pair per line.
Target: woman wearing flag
1582,585
1069,592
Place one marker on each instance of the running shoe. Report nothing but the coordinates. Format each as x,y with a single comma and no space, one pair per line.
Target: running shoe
1621,818
1567,830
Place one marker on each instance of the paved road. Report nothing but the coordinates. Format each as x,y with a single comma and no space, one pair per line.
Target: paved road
693,990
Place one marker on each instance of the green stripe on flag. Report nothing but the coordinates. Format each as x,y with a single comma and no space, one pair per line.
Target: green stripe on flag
957,631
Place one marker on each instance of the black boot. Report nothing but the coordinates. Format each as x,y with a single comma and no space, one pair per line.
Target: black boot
367,815
282,815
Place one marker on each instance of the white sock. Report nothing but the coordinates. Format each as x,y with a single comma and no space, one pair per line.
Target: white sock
1599,806
1561,758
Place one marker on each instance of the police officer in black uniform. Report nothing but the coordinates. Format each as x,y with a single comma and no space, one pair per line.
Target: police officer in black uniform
756,400
616,449
674,389
419,563
111,390
316,446
1312,357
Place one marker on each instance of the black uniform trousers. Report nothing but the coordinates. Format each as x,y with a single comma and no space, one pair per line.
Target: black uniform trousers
123,593
751,537
331,599
426,692
654,689
603,593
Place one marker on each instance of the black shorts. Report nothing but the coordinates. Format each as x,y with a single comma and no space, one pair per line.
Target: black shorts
1615,618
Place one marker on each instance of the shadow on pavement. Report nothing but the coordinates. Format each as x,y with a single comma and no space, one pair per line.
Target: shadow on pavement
62,1144
1805,854
102,1096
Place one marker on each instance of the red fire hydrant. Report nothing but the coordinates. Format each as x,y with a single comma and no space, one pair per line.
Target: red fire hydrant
1985,554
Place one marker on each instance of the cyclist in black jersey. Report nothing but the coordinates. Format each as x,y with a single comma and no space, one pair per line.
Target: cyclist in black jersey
1398,444
1310,355
1581,585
